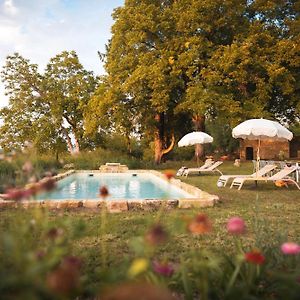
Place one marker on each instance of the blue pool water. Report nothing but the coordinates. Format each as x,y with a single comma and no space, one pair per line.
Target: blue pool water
120,186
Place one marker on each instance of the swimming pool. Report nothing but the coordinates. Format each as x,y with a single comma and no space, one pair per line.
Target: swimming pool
120,186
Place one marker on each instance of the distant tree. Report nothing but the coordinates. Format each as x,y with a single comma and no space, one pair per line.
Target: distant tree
69,89
27,116
45,109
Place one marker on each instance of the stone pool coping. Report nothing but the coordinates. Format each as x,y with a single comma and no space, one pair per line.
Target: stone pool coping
202,198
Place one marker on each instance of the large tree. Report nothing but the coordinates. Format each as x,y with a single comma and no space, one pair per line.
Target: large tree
27,116
69,88
140,69
45,108
230,59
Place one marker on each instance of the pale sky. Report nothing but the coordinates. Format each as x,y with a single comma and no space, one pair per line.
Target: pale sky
40,29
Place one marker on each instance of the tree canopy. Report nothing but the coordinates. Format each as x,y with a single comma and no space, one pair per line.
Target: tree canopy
177,62
171,67
45,109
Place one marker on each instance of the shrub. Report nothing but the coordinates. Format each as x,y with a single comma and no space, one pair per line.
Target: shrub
7,174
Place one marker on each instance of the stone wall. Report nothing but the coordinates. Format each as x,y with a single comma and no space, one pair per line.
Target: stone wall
268,149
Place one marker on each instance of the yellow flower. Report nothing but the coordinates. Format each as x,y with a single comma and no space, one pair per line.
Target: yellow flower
138,266
187,44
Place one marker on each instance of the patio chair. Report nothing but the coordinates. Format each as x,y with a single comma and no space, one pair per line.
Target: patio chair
208,162
282,175
211,169
260,173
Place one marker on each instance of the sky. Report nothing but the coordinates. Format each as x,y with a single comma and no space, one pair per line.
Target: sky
41,29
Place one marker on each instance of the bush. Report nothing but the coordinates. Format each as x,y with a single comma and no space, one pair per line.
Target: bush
7,174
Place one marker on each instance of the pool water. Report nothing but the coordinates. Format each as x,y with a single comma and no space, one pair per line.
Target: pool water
120,186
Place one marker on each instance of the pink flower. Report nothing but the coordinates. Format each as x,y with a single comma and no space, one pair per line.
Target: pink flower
236,226
164,269
290,248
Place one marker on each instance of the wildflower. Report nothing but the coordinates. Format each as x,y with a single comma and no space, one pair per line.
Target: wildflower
65,279
47,184
54,233
164,269
16,194
138,266
281,183
255,257
236,226
156,235
169,174
103,191
290,248
200,225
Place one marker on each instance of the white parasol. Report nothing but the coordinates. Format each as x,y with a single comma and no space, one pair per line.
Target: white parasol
261,129
193,138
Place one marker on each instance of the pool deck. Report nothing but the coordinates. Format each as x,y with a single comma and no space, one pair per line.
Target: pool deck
200,198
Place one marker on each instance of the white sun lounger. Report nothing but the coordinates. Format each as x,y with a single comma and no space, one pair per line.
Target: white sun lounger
211,169
281,175
260,173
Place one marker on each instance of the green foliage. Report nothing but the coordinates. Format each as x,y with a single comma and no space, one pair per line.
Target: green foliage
7,174
69,88
39,105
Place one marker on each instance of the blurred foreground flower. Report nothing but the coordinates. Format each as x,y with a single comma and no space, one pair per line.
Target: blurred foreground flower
290,248
47,184
255,257
103,192
65,279
138,266
164,269
169,174
236,226
137,290
156,235
54,233
200,224
16,194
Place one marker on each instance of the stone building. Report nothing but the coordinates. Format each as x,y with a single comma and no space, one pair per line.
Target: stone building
269,149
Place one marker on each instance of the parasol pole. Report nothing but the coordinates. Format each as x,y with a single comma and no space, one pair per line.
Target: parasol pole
258,157
197,155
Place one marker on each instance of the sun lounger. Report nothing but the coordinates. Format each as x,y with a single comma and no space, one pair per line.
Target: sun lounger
206,164
211,169
280,176
260,173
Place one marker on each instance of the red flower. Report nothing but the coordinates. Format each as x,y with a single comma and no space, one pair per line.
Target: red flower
255,257
156,235
169,174
103,191
200,224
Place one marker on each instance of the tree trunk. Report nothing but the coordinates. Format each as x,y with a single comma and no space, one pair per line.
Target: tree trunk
68,140
77,147
128,144
199,125
159,139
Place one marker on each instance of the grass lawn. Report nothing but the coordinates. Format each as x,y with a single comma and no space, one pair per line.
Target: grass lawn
272,216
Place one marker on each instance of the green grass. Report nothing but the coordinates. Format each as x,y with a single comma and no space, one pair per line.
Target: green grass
272,215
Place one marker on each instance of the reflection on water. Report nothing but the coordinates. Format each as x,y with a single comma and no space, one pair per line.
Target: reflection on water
120,186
